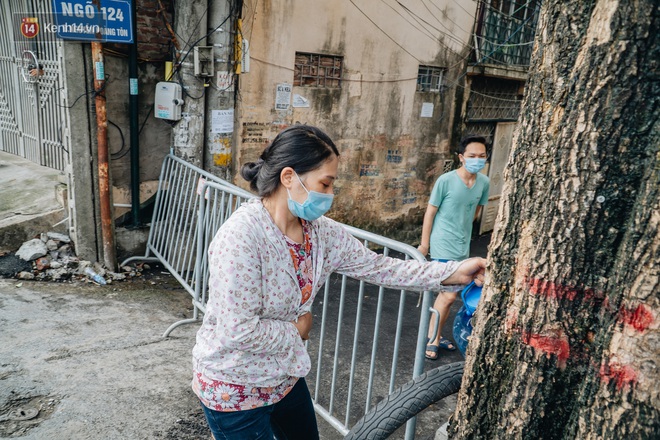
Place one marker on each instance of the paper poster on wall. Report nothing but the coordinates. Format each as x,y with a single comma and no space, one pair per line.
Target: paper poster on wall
283,97
222,121
299,101
427,110
225,80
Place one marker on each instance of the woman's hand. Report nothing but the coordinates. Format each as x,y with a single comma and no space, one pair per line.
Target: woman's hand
469,270
304,325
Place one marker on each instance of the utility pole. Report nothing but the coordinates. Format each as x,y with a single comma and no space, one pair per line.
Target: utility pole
220,95
191,22
107,227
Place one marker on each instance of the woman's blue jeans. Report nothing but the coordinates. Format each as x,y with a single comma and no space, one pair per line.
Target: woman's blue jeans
292,418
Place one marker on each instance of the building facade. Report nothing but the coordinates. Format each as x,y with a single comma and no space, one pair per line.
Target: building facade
395,85
381,78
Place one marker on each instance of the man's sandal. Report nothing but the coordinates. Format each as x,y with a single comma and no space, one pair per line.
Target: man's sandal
433,349
446,344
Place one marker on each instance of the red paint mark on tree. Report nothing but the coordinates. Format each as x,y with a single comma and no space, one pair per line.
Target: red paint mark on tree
640,318
551,344
557,291
622,375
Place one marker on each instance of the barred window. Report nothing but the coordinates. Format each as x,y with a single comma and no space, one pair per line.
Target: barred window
316,70
505,31
429,79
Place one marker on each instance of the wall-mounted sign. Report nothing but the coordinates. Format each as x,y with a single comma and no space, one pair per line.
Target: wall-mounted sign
102,20
283,97
427,110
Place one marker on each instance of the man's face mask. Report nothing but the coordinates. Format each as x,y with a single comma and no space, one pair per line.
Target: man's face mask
474,165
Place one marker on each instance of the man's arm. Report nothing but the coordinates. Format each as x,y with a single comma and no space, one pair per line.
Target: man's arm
477,212
426,229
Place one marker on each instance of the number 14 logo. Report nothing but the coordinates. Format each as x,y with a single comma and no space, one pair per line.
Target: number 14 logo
29,27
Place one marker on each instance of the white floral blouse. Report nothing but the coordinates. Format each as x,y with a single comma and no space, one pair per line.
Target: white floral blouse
247,337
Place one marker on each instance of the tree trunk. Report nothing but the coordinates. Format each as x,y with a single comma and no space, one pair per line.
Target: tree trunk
566,341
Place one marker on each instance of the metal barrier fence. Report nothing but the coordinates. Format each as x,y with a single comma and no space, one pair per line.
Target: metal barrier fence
173,234
354,367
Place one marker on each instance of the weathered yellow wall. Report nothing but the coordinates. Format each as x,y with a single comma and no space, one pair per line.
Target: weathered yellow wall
377,108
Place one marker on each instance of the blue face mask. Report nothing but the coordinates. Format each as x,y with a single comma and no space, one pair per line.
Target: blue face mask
314,207
474,165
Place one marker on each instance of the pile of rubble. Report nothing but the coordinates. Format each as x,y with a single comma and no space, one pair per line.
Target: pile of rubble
51,257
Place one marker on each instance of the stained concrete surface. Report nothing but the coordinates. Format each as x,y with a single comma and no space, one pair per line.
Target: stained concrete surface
91,359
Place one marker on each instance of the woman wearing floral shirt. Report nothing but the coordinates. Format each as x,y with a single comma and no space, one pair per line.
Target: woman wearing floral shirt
267,262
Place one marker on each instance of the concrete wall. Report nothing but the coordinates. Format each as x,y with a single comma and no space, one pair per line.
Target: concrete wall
390,155
155,138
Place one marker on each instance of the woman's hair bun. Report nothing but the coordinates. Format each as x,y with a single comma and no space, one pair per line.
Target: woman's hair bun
249,172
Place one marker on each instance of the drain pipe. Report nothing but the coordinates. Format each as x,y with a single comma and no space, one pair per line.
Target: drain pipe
107,231
134,123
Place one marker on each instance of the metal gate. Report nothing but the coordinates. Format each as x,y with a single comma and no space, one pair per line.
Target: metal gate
32,118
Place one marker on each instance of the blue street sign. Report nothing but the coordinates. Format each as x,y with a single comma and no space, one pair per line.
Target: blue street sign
86,20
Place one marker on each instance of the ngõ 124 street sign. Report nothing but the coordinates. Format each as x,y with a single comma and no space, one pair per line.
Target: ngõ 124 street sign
86,20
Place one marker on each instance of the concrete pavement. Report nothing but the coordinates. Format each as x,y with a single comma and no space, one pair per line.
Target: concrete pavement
81,361
29,201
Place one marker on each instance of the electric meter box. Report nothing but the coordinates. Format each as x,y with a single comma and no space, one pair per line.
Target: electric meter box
203,61
167,104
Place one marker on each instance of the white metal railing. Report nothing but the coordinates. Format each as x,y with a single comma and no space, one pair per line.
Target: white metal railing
355,364
172,237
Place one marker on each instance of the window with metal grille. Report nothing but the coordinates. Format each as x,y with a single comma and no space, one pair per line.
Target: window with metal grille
316,70
494,99
429,79
505,31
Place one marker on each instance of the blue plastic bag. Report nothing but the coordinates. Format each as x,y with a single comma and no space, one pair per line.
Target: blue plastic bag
463,320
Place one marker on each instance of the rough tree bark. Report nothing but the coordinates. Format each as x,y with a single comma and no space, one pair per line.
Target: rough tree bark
567,341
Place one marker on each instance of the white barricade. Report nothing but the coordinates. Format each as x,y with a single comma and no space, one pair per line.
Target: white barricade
354,367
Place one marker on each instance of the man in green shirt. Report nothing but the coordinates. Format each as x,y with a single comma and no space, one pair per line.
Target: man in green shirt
454,204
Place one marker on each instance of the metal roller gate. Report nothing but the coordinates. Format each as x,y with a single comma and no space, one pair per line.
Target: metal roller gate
33,117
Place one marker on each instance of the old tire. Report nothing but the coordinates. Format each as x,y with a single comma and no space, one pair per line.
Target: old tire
408,401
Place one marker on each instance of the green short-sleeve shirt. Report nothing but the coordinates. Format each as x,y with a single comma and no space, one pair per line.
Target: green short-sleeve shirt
452,225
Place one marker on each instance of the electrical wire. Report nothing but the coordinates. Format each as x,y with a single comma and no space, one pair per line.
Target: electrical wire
177,70
121,153
526,43
409,11
342,79
435,40
91,92
455,82
190,37
180,62
451,84
458,2
114,156
423,30
380,29
447,15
